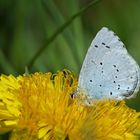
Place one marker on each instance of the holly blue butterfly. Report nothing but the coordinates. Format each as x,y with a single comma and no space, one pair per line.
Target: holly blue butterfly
108,70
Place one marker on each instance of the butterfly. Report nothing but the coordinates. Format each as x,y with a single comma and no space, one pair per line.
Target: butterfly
108,70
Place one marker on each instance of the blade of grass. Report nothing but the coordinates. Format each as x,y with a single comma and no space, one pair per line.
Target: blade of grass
5,65
77,29
58,19
60,30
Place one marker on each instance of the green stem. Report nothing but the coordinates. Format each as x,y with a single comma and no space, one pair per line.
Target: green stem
61,29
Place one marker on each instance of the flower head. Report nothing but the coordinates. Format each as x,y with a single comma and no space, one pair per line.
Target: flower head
40,107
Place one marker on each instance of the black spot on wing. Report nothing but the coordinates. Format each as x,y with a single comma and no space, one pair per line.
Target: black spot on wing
118,87
96,46
107,47
101,63
114,66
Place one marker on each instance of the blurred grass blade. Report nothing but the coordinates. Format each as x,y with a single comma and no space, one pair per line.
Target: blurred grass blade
5,65
58,19
77,29
60,30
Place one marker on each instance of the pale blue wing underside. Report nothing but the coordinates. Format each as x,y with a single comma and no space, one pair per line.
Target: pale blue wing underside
108,71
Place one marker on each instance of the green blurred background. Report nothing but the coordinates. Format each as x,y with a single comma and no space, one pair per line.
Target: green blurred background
26,24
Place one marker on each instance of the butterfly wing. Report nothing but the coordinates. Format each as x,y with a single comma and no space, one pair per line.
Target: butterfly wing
108,71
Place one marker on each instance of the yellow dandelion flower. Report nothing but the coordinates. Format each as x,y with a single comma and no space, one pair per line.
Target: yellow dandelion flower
40,107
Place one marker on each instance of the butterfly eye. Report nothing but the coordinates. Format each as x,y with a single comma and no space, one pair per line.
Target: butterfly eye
73,95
